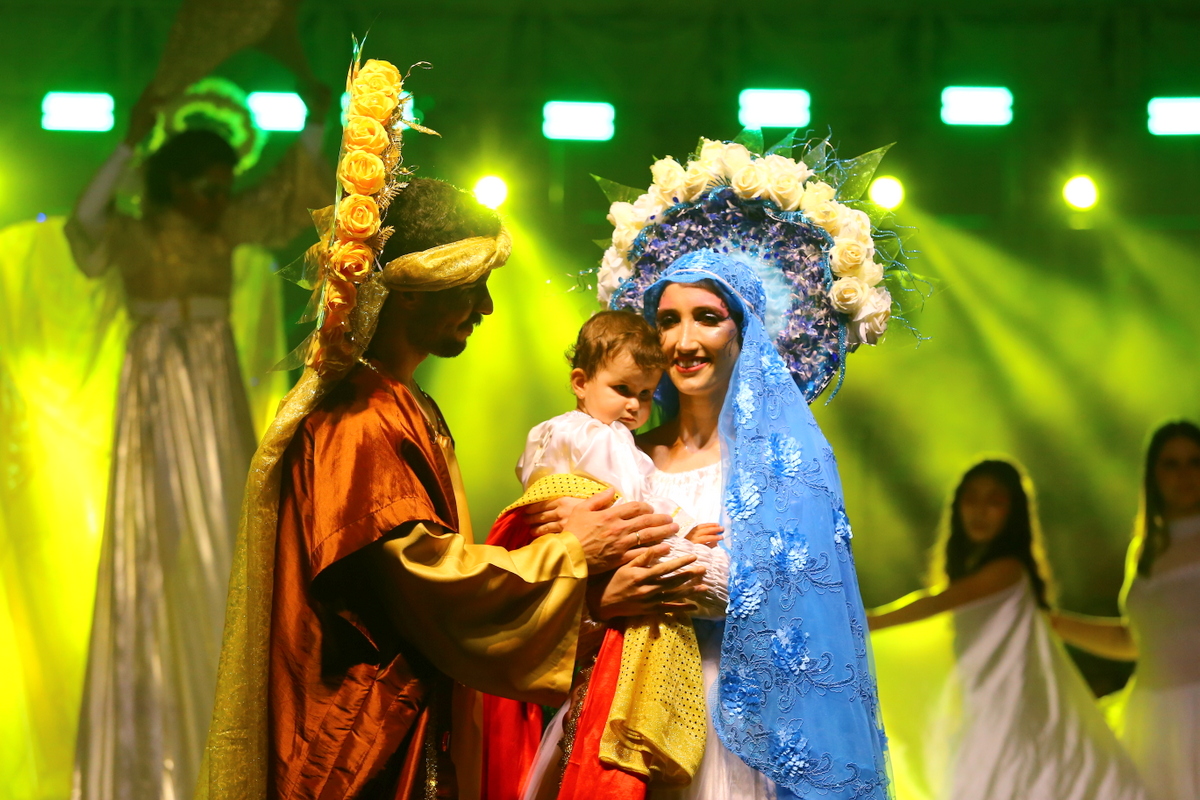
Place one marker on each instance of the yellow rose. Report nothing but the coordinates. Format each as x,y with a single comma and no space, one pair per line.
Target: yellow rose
849,255
698,177
351,260
815,194
376,105
340,297
670,179
825,215
361,172
386,69
367,82
357,217
366,133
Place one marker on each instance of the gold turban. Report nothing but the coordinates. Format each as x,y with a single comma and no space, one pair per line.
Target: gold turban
446,266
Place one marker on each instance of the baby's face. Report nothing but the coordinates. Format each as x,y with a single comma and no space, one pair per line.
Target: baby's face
620,391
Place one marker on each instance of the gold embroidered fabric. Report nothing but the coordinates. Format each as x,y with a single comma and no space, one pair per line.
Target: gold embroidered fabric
455,264
657,725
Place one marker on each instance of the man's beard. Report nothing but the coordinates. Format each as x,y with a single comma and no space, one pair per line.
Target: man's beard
424,338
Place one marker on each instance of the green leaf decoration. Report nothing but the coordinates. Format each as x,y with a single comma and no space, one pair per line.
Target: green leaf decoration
751,139
816,154
784,146
616,192
858,172
603,244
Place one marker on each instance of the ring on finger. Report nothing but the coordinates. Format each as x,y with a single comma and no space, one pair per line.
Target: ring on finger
638,538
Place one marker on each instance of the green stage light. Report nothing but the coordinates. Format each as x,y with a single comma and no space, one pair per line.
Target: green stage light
774,108
491,191
886,191
77,111
580,121
277,111
1080,192
976,105
1174,116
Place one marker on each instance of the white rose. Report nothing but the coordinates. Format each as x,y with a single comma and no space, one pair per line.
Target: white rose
854,224
871,273
699,176
649,208
816,194
626,225
871,319
752,180
670,178
803,173
848,256
824,214
848,295
724,159
786,190
614,269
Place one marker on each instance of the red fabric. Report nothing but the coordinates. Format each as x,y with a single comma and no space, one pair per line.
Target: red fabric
586,777
512,730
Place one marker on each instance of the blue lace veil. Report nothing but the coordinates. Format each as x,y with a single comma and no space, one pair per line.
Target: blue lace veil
796,698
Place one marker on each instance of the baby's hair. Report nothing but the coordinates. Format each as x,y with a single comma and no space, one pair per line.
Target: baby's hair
609,333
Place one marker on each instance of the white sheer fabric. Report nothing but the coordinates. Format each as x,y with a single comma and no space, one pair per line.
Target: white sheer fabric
983,703
1161,721
722,775
183,444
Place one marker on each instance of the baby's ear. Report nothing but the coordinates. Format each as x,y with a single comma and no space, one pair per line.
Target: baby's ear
579,381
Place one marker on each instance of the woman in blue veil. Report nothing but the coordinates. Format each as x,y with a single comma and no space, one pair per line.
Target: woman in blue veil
794,697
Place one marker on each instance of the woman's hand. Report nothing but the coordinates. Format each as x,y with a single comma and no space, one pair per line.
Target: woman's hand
549,516
706,533
640,586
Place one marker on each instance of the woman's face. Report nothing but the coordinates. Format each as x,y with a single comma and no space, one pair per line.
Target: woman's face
699,337
984,506
1177,473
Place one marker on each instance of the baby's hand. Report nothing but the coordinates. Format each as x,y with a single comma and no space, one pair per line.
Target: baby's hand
706,533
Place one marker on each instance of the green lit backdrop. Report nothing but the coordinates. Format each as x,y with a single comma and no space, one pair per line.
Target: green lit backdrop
1056,336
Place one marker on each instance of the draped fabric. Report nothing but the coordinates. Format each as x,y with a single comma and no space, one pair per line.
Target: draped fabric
796,698
62,344
983,703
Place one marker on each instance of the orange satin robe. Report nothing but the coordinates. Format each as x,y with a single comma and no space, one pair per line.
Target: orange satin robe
360,704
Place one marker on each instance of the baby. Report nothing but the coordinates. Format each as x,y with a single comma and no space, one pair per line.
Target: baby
616,364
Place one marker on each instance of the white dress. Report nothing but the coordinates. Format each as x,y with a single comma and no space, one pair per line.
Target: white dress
722,775
1161,722
983,703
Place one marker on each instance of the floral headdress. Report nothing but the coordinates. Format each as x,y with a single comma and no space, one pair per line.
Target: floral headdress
343,266
819,249
213,104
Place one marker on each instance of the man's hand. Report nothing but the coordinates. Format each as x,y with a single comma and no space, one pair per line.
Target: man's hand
643,587
549,516
607,531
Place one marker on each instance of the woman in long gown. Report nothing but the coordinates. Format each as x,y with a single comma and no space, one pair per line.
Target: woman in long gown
1012,718
1159,714
183,442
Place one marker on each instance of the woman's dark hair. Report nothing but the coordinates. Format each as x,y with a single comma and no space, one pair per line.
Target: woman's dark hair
428,213
1152,532
955,556
610,333
186,156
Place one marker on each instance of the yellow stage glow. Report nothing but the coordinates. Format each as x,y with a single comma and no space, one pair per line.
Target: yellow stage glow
887,192
1080,192
491,191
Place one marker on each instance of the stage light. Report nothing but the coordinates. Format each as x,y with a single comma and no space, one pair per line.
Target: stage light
1174,116
277,111
886,191
579,121
77,111
1080,192
774,108
491,191
976,105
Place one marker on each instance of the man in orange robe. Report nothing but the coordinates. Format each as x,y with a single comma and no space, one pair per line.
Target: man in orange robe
381,604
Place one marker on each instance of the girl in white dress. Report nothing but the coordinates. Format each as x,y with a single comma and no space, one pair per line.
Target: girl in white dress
981,702
1158,716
